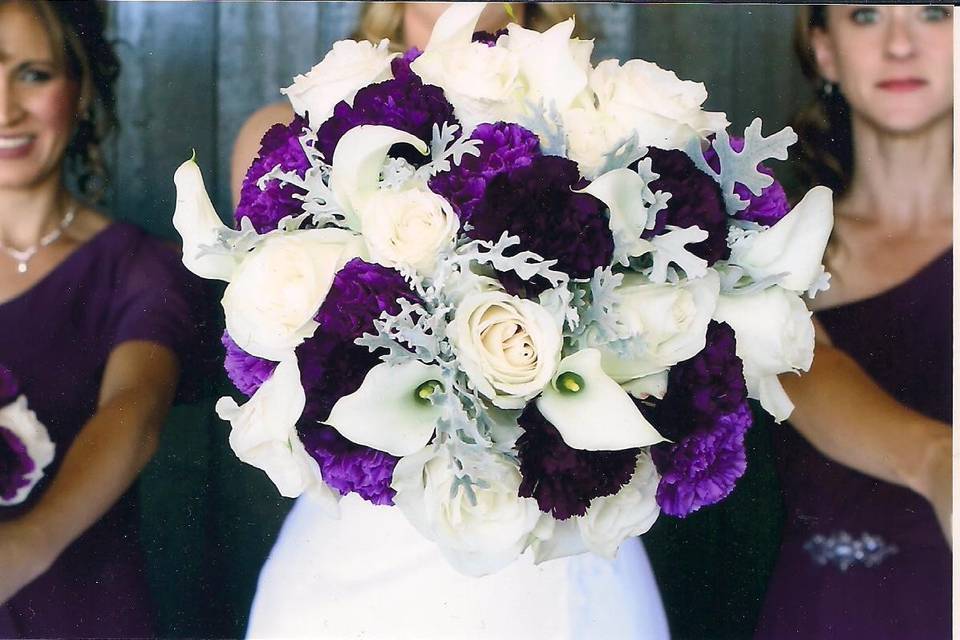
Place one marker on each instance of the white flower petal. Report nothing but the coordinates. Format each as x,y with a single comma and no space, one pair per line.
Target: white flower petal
456,25
357,162
564,540
24,424
554,71
198,224
384,413
793,246
264,431
653,385
600,416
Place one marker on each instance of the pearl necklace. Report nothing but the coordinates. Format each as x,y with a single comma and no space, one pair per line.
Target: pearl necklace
22,256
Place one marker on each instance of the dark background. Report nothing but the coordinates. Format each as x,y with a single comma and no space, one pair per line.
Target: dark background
192,73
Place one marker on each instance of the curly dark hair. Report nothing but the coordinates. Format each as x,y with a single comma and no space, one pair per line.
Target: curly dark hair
823,127
76,29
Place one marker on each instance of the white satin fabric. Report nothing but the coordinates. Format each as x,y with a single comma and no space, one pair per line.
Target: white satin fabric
371,575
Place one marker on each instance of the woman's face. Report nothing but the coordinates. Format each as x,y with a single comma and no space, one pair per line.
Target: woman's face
38,102
893,64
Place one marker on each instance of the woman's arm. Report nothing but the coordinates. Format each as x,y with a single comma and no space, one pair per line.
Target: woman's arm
247,146
105,458
850,419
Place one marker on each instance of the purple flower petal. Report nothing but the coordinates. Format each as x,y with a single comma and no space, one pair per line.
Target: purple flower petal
349,467
15,464
280,145
537,203
695,199
246,372
564,480
503,147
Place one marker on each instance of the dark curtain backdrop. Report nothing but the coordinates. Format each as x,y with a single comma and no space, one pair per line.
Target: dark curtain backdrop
192,73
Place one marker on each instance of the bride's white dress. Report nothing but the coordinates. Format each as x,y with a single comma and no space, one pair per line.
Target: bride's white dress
371,575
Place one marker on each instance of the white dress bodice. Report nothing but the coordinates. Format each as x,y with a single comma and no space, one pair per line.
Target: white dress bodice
371,575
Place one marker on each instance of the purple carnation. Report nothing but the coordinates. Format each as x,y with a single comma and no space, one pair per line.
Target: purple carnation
503,147
487,38
280,145
349,467
404,103
360,292
705,412
696,199
401,66
15,464
246,372
564,480
703,468
767,208
9,387
537,203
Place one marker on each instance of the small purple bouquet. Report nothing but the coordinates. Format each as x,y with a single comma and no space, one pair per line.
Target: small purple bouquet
517,296
25,445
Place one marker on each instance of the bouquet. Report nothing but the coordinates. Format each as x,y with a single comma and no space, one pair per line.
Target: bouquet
25,445
522,298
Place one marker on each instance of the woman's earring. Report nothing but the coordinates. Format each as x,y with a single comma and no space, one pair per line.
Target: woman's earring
828,89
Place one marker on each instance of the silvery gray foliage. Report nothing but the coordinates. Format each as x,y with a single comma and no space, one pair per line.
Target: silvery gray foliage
597,302
623,154
545,121
742,166
734,281
444,147
396,174
525,264
231,242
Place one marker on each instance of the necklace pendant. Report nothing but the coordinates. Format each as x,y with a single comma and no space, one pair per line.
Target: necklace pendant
21,267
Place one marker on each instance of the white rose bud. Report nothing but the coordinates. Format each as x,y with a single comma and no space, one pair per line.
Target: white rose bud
407,228
347,68
664,110
19,420
775,335
610,520
509,347
794,246
278,288
668,320
480,534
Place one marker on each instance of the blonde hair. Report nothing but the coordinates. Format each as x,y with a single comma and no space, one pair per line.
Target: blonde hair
379,20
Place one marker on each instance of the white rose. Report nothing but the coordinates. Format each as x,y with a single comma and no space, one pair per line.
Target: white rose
348,67
482,83
264,432
279,286
664,110
407,228
630,512
592,135
19,420
668,323
509,347
477,536
774,334
794,246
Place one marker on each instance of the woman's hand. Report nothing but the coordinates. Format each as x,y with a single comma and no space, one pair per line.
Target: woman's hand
23,556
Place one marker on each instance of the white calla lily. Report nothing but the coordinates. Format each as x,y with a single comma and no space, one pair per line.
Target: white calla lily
590,410
391,410
624,192
551,64
793,246
264,432
456,25
198,224
357,162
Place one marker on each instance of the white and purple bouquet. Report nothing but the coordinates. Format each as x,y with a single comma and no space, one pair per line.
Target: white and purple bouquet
522,298
25,445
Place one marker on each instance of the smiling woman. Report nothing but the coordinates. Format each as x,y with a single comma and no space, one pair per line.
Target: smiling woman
95,319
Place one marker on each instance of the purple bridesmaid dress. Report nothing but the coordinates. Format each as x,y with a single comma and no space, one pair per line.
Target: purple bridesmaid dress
121,285
861,558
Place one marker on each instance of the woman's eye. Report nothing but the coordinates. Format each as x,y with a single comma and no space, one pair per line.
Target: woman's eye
935,14
864,15
35,75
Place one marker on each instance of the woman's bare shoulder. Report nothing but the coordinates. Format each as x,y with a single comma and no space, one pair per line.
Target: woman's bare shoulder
248,140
